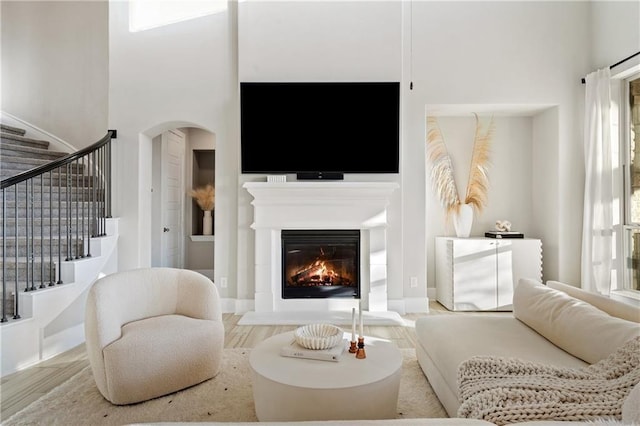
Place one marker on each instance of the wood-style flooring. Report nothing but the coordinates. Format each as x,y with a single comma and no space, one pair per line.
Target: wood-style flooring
19,389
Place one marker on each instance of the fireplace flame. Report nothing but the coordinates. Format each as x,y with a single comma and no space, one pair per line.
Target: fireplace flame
316,273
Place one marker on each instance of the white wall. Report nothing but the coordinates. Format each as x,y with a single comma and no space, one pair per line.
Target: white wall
54,67
492,56
319,41
181,75
615,34
471,55
507,54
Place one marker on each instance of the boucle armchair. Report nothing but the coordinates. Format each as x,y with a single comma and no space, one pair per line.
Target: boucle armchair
153,331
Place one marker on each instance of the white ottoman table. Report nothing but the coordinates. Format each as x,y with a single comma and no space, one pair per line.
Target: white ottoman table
296,389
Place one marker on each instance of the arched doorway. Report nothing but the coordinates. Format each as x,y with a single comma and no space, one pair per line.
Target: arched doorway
180,157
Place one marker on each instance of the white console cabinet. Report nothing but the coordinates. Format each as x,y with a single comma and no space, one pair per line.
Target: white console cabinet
479,274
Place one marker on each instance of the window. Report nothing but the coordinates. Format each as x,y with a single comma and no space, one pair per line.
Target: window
630,136
147,14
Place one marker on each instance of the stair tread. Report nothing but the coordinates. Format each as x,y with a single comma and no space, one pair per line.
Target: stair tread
7,136
6,148
11,129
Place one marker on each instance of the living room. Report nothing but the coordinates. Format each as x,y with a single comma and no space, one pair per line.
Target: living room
455,56
520,62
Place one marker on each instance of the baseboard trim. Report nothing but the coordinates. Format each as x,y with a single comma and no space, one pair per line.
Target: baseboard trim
409,305
401,306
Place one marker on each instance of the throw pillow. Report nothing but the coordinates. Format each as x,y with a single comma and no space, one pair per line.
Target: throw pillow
571,324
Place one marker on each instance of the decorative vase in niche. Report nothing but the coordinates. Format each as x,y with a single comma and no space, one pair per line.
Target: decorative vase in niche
207,223
463,220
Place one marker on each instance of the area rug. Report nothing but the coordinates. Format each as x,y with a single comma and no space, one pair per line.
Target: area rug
225,398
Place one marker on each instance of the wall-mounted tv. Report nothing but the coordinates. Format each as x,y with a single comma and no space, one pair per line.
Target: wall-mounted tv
320,129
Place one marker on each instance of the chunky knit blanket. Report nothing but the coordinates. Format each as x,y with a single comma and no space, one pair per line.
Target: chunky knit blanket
508,390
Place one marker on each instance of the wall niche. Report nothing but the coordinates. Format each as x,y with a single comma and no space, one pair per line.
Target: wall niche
203,173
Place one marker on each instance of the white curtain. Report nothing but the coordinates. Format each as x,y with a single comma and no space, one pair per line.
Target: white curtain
597,227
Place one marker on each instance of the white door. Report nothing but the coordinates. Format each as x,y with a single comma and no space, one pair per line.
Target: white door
172,204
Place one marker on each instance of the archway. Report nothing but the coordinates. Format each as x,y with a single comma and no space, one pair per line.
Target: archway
197,143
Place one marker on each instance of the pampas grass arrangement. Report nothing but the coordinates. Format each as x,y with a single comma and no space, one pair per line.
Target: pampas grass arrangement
204,196
442,168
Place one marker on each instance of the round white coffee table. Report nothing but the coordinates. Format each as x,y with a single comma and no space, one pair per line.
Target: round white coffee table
296,389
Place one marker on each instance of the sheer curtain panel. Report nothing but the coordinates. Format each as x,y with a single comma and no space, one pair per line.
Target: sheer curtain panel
597,227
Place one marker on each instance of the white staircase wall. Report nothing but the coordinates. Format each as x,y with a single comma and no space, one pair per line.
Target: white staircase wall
53,318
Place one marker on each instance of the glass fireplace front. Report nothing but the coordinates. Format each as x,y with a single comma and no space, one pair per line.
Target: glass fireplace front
320,263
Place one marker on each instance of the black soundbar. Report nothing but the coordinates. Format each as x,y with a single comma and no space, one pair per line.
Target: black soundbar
320,176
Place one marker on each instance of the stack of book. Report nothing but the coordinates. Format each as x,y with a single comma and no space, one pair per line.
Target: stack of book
503,234
294,350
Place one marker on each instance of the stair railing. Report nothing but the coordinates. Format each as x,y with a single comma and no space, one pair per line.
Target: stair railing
82,199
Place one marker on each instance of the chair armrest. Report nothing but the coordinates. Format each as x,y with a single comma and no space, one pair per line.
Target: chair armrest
197,296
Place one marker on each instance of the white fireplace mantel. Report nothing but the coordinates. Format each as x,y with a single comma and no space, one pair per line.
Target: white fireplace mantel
320,205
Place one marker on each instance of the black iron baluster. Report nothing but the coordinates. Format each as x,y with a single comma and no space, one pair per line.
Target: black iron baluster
16,304
89,203
33,228
42,232
26,221
108,193
78,229
98,193
52,278
103,199
82,209
68,214
76,244
59,227
4,257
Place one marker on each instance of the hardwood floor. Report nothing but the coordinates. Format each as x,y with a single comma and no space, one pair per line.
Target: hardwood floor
19,389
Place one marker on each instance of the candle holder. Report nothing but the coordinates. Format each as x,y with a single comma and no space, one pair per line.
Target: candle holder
360,354
353,348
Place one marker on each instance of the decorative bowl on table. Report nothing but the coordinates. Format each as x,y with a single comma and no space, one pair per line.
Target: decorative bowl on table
318,336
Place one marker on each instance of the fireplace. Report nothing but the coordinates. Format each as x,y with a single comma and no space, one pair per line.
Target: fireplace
321,206
320,263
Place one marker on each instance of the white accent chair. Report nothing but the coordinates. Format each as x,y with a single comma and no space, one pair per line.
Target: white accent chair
152,331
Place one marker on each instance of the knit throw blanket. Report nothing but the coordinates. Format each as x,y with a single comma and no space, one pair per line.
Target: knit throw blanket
508,390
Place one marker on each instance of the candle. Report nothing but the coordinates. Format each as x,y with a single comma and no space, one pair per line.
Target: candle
353,324
361,328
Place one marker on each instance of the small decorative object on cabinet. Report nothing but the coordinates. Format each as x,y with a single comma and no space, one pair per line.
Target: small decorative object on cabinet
479,274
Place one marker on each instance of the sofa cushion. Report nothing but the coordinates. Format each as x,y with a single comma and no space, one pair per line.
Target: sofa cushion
572,324
607,304
450,339
156,356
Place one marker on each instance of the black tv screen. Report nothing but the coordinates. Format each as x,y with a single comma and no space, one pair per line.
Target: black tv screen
310,127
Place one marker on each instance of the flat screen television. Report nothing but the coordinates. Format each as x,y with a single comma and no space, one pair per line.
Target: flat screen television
319,129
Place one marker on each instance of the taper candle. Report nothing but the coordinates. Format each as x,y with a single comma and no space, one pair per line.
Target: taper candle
361,327
353,324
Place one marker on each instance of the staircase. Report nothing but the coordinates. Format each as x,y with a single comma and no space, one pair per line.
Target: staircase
57,238
24,259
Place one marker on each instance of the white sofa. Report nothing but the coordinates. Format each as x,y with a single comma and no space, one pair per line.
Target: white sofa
444,341
556,324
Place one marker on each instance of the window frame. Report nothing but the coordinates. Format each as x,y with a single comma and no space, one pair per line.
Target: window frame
623,280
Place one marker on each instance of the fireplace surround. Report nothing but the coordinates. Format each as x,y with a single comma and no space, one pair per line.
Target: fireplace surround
336,205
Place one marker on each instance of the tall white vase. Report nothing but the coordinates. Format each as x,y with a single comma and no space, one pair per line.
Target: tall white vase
463,220
207,223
